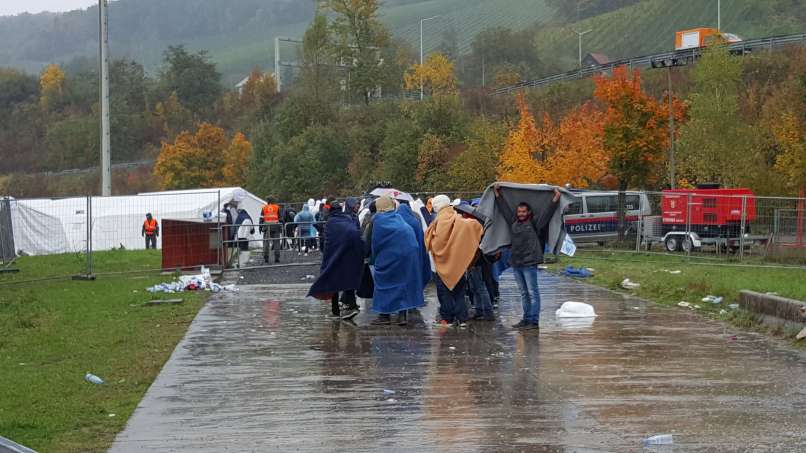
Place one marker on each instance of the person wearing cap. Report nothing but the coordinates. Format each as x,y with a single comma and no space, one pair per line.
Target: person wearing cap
151,230
396,262
453,242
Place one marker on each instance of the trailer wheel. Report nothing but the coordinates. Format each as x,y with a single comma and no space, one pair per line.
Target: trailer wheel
672,244
687,245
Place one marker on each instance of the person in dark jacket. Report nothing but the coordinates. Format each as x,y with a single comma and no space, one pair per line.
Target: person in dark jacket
342,261
527,253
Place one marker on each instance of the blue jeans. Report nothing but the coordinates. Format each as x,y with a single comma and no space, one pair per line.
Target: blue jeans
526,278
452,305
481,296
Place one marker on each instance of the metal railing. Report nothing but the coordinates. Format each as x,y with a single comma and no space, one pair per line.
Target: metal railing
732,226
739,48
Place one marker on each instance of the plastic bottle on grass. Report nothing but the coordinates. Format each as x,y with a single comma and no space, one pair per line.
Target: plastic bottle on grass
660,439
93,379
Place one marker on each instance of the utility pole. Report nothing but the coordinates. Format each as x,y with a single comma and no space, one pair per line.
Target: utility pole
422,86
719,15
106,160
277,63
581,34
672,171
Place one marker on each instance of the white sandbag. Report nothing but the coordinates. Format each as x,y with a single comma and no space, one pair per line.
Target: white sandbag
575,310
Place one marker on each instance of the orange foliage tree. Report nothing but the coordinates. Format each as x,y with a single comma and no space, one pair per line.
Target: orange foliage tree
568,152
579,158
51,85
204,159
525,144
635,128
635,134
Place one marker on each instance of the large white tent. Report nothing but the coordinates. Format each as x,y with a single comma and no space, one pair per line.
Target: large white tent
51,226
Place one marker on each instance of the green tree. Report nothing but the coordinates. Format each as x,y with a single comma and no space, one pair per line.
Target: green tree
73,143
311,163
193,77
399,152
474,168
318,53
716,145
16,87
360,38
432,163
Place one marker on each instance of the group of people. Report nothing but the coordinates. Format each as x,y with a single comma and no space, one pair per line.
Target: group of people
384,250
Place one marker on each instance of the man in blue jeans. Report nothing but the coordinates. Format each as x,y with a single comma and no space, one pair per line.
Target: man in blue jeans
527,253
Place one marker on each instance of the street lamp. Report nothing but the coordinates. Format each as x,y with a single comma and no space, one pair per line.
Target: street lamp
422,87
581,34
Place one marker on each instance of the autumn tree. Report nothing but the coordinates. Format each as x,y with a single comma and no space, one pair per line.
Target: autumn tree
635,134
204,159
51,85
436,75
259,90
171,116
579,157
524,146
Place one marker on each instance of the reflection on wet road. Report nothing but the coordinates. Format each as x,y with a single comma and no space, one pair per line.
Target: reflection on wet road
264,370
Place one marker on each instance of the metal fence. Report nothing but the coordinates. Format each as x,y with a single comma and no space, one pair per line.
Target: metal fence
92,235
733,224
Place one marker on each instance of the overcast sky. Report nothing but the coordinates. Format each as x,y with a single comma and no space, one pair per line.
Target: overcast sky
8,7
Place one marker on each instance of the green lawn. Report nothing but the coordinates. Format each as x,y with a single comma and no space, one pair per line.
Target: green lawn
54,332
698,278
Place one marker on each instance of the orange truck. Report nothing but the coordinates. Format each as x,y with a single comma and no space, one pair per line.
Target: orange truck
702,37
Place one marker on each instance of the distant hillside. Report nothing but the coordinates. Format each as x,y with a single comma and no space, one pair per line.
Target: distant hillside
239,33
649,26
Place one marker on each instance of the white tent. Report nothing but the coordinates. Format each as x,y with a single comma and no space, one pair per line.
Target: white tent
51,226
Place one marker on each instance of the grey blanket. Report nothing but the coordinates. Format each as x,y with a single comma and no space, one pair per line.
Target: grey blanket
496,228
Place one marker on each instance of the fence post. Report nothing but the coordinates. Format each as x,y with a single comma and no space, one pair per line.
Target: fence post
219,234
640,227
742,226
89,235
688,222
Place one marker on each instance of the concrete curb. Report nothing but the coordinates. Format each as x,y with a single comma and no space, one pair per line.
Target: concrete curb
775,310
8,446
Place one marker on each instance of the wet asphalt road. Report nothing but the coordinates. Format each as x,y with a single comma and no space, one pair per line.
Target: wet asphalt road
264,370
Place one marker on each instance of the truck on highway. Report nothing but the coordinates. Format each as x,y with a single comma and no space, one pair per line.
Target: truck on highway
702,37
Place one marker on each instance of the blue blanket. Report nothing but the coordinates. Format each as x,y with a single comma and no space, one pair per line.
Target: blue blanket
342,257
425,262
397,265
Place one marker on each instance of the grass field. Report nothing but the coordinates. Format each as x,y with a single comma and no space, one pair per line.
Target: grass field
54,332
696,279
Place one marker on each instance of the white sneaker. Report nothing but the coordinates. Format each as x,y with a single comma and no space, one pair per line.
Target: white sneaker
305,250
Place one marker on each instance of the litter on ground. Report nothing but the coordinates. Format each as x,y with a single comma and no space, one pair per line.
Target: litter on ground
712,299
575,310
577,272
629,284
684,304
200,282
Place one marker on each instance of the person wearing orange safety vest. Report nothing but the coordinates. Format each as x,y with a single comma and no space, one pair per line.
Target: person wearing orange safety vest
151,230
272,229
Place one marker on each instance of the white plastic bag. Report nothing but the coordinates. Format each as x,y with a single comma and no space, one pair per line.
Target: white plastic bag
575,310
